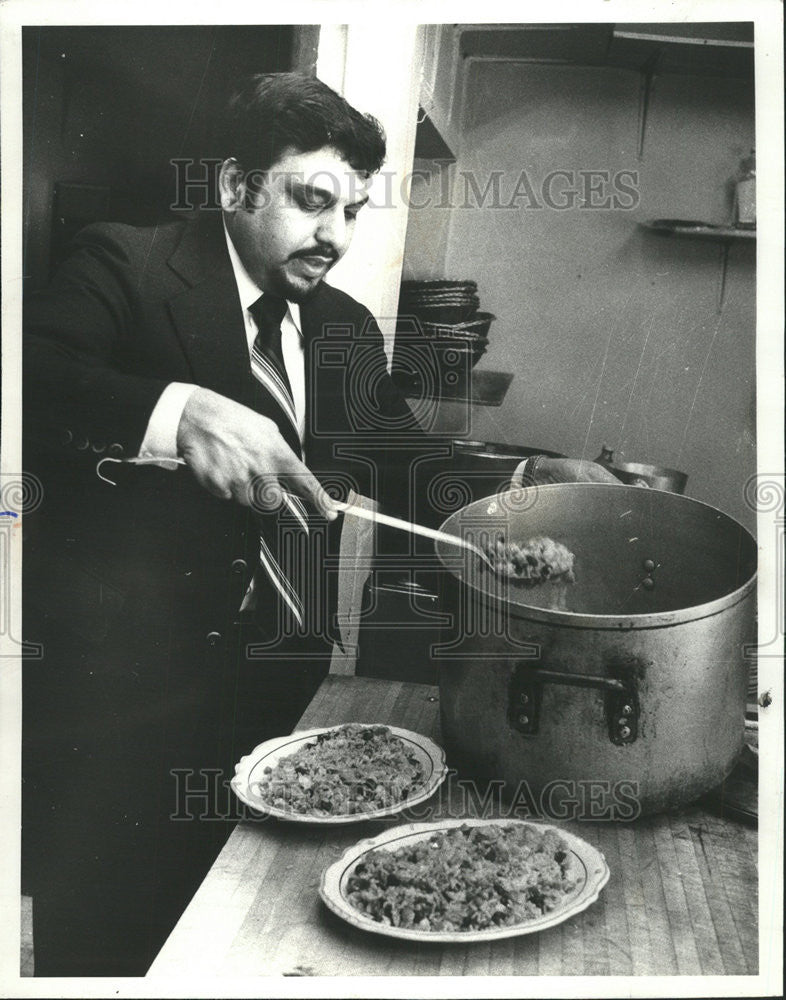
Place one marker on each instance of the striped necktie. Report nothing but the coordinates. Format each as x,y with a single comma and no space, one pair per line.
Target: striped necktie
280,537
267,364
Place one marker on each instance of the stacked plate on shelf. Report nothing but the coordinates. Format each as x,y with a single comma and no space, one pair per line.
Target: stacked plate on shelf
439,324
471,335
439,301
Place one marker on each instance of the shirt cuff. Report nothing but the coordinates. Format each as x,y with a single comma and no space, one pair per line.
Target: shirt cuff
160,440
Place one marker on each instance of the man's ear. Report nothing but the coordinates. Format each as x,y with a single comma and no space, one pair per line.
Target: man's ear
232,186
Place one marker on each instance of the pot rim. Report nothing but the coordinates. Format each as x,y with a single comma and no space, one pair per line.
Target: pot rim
639,468
497,450
658,619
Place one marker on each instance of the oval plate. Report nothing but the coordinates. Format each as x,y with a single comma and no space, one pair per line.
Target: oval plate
593,874
249,769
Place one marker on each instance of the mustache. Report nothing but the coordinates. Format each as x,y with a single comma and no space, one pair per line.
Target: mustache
320,251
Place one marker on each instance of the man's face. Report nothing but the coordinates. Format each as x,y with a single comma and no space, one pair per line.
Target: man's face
296,221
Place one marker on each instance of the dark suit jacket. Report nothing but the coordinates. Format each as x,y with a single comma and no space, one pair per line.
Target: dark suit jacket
129,312
133,590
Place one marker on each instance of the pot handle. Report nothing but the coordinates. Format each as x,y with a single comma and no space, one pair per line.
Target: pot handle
612,684
526,691
516,480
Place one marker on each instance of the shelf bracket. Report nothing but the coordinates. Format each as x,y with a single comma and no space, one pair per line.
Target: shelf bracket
724,263
648,71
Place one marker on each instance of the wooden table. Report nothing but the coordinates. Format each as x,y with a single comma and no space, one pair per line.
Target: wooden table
681,899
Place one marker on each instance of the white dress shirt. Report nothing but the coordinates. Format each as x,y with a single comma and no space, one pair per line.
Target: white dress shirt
160,440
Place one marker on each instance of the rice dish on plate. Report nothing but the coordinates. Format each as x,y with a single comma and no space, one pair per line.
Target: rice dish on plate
465,878
348,770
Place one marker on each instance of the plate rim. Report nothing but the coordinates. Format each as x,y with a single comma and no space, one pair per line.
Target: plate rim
597,876
239,783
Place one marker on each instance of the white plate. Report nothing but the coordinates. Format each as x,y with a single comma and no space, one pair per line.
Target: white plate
249,770
589,864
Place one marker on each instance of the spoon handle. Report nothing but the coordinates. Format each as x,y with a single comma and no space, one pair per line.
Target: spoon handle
410,526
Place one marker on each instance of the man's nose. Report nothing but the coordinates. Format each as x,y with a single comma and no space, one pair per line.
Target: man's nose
332,229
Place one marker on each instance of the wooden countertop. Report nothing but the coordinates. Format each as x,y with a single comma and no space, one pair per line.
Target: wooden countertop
681,899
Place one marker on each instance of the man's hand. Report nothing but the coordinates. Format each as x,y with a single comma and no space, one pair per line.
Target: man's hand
236,453
571,470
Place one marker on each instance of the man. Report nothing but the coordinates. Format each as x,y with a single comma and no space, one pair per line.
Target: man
176,632
148,595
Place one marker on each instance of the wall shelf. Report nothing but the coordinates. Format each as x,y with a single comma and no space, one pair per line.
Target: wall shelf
724,236
700,48
652,50
698,230
486,388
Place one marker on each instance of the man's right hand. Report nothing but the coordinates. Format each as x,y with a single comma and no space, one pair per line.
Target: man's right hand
236,453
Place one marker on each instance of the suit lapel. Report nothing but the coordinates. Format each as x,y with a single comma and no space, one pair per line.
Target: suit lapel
318,402
207,315
328,357
307,323
208,318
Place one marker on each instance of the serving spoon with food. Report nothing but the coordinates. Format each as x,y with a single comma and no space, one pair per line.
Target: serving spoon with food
539,560
413,528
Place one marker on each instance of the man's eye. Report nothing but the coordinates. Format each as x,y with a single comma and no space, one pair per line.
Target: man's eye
310,203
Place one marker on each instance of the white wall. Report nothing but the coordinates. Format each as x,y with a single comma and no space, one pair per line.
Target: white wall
612,332
377,69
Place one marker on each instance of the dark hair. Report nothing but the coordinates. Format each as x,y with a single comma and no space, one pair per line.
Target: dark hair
273,111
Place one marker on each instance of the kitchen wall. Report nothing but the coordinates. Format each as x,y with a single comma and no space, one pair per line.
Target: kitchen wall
379,79
613,332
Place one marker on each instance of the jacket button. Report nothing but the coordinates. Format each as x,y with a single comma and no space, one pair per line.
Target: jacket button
213,638
239,566
66,436
82,444
116,450
98,447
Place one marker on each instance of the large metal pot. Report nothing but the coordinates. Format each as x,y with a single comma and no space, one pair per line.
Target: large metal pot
634,674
